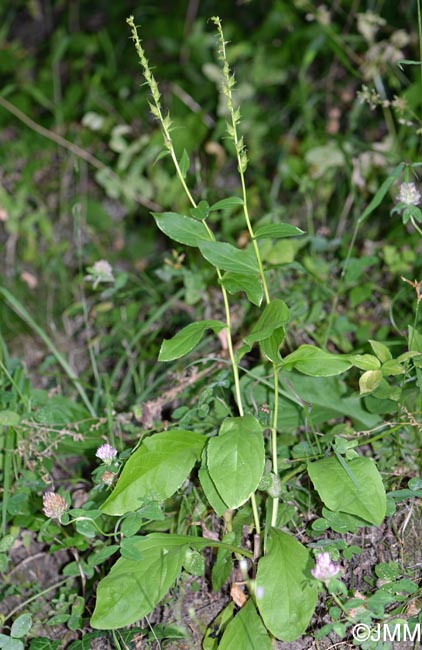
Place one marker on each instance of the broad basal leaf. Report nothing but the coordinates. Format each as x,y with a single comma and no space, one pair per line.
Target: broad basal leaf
236,459
187,338
315,362
209,488
134,587
246,631
229,258
358,492
182,229
288,597
155,470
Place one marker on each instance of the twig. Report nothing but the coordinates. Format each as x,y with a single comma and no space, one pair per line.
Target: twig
73,148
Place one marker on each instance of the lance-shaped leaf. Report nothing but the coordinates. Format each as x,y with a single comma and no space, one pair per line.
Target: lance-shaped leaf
381,350
229,258
229,202
288,598
315,362
236,459
182,229
365,361
187,338
275,315
357,492
184,163
277,231
268,330
155,470
250,284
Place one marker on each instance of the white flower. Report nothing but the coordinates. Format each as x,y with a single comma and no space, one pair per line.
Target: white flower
409,194
325,568
104,269
101,271
106,453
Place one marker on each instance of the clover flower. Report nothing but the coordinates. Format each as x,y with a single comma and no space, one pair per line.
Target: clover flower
106,453
408,194
101,271
108,477
54,506
325,568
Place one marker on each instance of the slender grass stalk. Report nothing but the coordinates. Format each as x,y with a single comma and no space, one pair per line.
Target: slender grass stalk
76,151
420,49
14,384
77,213
116,641
166,126
9,442
373,204
143,328
415,225
20,310
26,602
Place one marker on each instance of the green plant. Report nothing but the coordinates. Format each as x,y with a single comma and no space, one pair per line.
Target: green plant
233,465
271,449
20,628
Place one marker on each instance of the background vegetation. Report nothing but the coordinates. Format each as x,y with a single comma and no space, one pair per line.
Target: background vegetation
328,112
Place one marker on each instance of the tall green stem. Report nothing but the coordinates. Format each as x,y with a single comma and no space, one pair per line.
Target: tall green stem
242,162
420,45
166,127
274,443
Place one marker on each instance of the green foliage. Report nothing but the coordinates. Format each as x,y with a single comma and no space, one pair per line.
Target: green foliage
187,339
20,628
235,459
246,629
288,287
134,587
354,487
155,470
288,598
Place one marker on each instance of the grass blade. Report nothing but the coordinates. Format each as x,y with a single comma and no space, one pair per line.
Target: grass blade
20,311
